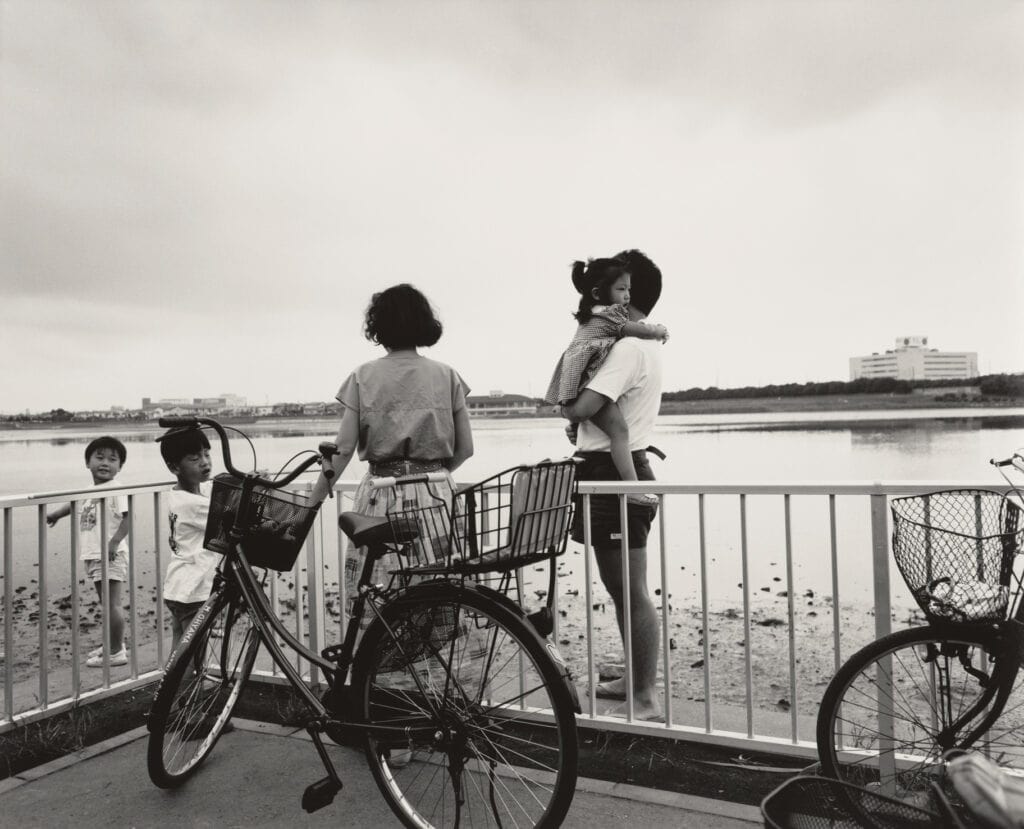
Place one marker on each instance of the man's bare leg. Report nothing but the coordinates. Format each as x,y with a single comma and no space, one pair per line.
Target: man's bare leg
643,626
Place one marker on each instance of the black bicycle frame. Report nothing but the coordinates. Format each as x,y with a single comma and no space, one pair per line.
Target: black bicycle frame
269,625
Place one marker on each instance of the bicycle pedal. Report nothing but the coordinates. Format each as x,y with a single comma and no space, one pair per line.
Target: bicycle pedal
320,794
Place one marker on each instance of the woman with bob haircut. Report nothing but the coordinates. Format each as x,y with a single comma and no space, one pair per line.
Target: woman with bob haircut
404,414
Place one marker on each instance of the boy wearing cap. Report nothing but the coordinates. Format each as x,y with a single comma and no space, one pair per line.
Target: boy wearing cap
104,458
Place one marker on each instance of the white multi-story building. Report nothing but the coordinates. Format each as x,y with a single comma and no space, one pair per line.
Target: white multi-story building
913,360
196,405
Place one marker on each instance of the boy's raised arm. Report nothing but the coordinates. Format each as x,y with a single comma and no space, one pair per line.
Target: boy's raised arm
119,535
54,516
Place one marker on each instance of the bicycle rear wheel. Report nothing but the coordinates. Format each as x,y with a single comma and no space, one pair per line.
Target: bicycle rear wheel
885,719
502,749
203,681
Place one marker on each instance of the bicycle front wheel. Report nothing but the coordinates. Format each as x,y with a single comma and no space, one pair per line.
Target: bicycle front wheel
493,740
898,704
203,681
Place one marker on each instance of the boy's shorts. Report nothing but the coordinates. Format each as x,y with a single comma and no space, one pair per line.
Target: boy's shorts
605,525
182,614
117,570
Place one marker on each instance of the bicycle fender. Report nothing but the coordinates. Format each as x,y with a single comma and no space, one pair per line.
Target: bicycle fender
454,589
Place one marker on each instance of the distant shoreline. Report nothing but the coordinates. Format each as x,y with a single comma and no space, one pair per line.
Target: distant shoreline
895,403
830,403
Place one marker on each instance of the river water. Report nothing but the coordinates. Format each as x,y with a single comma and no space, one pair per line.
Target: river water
820,448
813,447
747,448
752,448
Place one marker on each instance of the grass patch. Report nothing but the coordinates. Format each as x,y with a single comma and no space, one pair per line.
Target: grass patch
35,743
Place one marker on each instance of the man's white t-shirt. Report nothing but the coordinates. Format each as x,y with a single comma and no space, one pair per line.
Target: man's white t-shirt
190,571
90,522
631,376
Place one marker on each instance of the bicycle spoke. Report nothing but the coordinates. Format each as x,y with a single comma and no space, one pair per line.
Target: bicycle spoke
473,682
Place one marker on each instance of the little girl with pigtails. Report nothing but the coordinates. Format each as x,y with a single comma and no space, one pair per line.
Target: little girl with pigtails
604,287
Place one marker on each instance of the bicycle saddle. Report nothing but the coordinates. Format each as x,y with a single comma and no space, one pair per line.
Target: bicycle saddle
368,530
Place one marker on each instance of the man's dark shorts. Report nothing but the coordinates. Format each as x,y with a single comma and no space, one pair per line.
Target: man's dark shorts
605,526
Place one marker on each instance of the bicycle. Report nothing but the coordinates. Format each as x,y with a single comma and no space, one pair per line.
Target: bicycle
898,705
465,712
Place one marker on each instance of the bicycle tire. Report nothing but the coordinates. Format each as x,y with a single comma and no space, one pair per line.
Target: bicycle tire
195,699
889,740
512,754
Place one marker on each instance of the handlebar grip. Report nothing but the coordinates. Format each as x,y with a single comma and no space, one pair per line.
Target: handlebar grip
175,420
420,478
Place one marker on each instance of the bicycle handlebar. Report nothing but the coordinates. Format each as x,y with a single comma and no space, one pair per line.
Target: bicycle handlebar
1016,460
199,422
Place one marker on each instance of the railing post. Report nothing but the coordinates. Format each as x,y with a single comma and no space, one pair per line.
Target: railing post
880,563
44,622
748,665
158,569
315,595
627,608
8,588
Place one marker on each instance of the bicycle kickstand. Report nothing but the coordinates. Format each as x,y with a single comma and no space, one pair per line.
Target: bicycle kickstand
322,792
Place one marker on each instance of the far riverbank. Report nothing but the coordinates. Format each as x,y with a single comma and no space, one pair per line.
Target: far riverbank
898,404
833,403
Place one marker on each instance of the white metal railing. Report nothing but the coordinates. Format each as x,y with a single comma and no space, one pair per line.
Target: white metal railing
309,598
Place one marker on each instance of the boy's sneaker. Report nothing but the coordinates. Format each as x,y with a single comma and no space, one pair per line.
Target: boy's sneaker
119,658
643,500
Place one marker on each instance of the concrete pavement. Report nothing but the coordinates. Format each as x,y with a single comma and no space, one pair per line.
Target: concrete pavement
255,777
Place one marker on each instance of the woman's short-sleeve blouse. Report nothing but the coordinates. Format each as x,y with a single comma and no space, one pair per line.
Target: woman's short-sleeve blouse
406,405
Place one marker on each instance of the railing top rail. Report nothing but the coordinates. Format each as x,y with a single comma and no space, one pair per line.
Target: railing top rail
787,487
80,493
599,488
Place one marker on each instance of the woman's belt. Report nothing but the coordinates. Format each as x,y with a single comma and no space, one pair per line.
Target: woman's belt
395,467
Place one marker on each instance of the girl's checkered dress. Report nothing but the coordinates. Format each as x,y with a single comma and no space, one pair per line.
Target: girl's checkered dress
587,351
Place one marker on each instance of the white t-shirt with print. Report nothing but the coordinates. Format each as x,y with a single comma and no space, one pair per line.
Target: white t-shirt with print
631,376
191,568
90,523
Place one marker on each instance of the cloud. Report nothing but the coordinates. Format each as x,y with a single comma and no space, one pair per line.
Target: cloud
221,175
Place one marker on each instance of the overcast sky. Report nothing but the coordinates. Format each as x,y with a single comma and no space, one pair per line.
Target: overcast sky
200,197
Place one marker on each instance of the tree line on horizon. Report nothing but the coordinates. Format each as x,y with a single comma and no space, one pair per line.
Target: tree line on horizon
989,385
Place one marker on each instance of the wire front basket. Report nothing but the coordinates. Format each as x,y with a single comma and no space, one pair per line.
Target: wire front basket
518,517
813,802
955,550
278,524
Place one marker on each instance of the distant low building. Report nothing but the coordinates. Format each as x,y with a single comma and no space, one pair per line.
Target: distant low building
498,403
911,359
196,406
